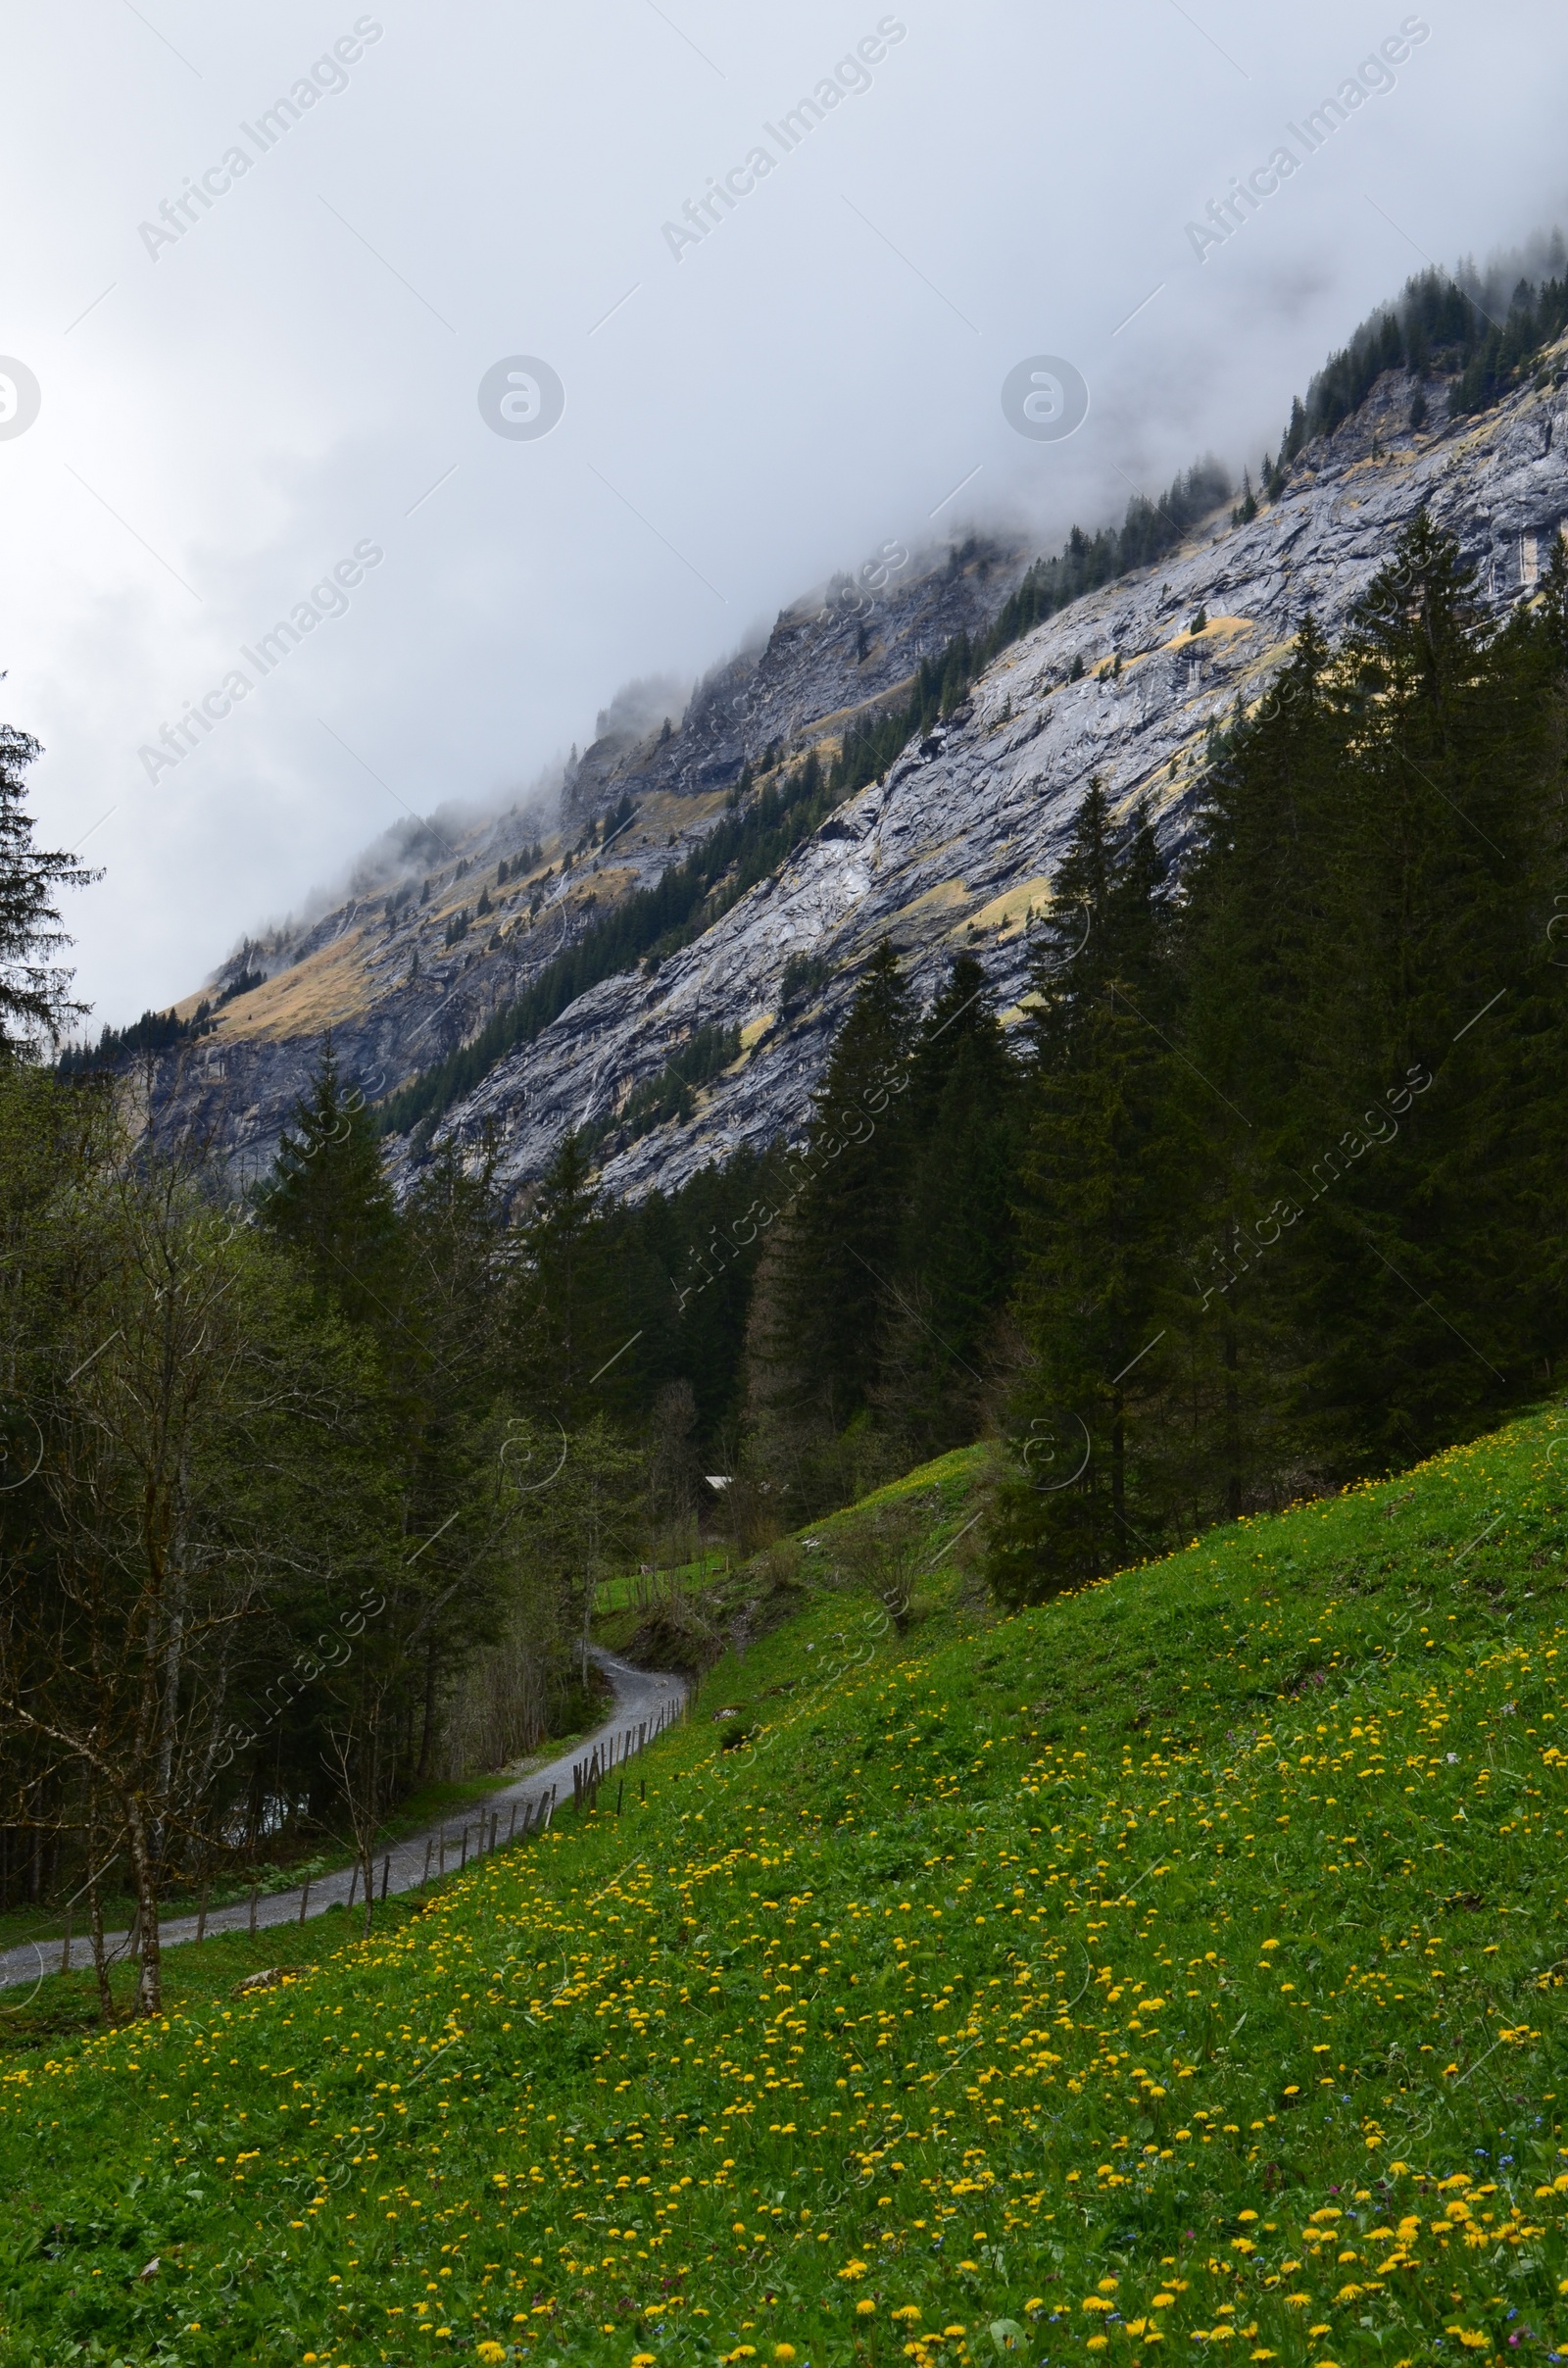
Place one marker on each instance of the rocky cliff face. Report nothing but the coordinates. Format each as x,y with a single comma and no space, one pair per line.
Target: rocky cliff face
953,850
429,945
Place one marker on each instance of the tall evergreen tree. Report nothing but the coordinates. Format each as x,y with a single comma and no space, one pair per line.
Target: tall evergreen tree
329,1198
1257,944
35,1003
955,1253
846,1220
1105,1179
566,1293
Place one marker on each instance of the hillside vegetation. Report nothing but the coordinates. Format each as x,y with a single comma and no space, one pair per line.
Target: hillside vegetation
1178,1960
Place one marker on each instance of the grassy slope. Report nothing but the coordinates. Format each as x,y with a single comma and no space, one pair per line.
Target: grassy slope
1183,1959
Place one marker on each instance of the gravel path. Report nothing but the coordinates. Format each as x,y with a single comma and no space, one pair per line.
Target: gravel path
645,1703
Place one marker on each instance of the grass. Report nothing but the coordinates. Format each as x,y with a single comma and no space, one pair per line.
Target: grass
641,1590
1179,1962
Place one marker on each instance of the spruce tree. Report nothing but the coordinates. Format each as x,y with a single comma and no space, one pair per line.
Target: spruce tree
328,1198
955,1256
1258,944
564,1311
35,1003
1103,1184
845,1228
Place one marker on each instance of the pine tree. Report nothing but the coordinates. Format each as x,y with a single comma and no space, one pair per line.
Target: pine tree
329,1198
567,1292
846,1220
35,1003
1258,945
955,1256
1104,1188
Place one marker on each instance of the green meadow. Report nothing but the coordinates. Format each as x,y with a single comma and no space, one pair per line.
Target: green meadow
1179,1962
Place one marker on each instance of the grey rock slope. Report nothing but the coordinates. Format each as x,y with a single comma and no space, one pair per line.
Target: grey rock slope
957,847
953,850
411,965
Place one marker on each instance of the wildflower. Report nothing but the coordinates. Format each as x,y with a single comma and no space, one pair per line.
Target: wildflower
909,2312
491,2352
784,2351
864,2307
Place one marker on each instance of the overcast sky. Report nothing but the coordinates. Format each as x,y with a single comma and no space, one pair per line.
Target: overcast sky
234,403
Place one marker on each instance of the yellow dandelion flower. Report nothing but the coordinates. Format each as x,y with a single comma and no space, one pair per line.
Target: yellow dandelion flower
909,2312
492,2352
864,2307
1096,2342
784,2353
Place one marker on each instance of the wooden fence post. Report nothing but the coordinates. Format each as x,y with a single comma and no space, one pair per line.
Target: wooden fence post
304,1899
200,1914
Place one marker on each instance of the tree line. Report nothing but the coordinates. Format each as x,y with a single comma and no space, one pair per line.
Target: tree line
1268,1187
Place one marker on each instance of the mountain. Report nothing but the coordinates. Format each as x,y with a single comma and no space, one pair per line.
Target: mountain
497,981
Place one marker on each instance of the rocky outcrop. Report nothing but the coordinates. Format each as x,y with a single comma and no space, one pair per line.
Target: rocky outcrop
384,970
955,849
